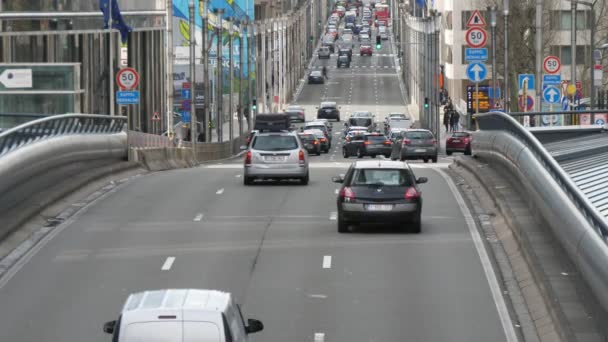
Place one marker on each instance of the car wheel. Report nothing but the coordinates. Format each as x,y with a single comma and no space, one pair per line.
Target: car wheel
247,180
467,151
387,156
318,153
344,153
304,180
417,223
342,226
426,160
402,157
435,159
449,153
359,153
374,156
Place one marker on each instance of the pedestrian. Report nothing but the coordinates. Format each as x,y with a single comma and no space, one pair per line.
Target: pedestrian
446,118
454,118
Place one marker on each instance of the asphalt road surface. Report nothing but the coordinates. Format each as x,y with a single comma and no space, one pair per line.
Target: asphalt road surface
275,246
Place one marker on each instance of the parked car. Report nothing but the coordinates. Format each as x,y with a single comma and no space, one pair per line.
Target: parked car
324,52
328,110
416,144
366,50
458,142
316,77
379,192
311,142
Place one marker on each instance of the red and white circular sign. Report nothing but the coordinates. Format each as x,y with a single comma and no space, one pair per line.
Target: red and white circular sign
127,78
552,64
476,37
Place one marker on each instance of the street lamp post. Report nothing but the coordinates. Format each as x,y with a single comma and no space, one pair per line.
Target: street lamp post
193,121
231,80
241,110
220,86
507,92
492,11
206,87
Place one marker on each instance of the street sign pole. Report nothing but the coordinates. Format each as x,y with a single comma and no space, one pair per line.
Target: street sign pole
193,121
476,97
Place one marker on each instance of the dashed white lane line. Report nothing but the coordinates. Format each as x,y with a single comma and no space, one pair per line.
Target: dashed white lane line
198,217
327,261
220,191
168,264
333,215
337,191
317,296
319,337
237,176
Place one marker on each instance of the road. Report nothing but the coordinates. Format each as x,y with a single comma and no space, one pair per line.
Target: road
275,246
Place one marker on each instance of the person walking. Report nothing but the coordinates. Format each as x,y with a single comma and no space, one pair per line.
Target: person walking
453,121
446,118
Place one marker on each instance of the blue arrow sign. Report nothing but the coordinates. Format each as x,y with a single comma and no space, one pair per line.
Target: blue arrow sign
127,97
471,54
186,94
552,79
185,116
477,72
551,95
530,77
565,103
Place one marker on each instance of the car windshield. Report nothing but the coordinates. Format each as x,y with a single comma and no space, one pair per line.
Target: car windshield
307,137
384,177
399,116
315,73
460,135
275,143
360,121
319,127
420,135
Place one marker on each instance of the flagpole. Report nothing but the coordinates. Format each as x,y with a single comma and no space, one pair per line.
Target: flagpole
111,60
169,68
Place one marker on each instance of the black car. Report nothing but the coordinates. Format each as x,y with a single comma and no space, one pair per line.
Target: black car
324,143
375,144
343,61
361,122
352,144
329,111
379,192
346,52
316,76
311,143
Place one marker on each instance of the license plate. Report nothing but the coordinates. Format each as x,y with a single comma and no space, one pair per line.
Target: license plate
379,207
420,150
274,158
456,140
309,146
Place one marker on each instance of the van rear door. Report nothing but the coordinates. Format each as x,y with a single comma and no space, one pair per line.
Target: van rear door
163,331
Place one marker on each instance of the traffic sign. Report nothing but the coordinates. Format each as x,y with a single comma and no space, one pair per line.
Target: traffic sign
530,103
127,97
571,89
471,54
530,78
565,103
551,95
552,79
16,78
579,85
185,116
155,117
186,94
477,72
186,105
552,64
476,20
127,78
476,37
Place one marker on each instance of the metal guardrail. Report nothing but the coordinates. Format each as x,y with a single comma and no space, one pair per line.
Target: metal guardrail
58,125
499,121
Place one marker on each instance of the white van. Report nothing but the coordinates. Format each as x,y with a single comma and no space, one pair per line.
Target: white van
181,315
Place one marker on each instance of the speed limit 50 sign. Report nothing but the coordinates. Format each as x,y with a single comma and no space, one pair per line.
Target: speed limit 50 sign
552,65
476,37
127,78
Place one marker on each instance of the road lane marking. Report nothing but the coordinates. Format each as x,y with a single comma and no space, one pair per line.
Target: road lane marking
238,176
317,296
198,217
319,337
220,191
337,191
333,215
168,264
503,312
327,261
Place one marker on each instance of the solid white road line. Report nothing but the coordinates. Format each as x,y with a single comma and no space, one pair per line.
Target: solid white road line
168,264
198,217
220,191
319,337
333,215
327,261
503,312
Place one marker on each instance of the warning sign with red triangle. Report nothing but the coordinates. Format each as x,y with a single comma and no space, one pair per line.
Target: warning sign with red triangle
476,20
155,117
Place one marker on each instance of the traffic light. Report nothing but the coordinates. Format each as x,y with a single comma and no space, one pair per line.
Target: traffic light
255,104
311,38
378,42
426,103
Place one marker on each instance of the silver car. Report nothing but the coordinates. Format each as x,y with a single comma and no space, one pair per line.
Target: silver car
277,155
324,52
415,144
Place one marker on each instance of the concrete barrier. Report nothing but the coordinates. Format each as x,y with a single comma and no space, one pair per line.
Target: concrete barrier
38,166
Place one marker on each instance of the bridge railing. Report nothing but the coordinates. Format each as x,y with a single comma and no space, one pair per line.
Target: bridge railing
57,125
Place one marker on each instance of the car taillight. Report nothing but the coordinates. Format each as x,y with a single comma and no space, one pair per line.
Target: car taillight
388,142
315,142
347,194
248,158
301,156
323,140
366,143
433,141
347,139
411,193
406,142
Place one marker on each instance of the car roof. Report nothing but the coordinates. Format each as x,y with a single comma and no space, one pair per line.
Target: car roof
316,123
315,72
360,128
167,299
328,104
418,130
380,164
283,133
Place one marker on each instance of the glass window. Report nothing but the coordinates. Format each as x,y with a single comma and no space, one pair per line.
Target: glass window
448,20
419,135
275,143
385,177
376,139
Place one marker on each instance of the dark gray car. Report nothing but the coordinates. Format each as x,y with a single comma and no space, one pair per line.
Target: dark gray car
415,144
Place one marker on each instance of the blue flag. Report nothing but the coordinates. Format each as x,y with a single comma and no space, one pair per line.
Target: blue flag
421,3
118,21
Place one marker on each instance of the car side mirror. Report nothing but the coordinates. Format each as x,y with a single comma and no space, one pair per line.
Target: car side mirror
421,180
253,326
108,327
243,147
337,179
